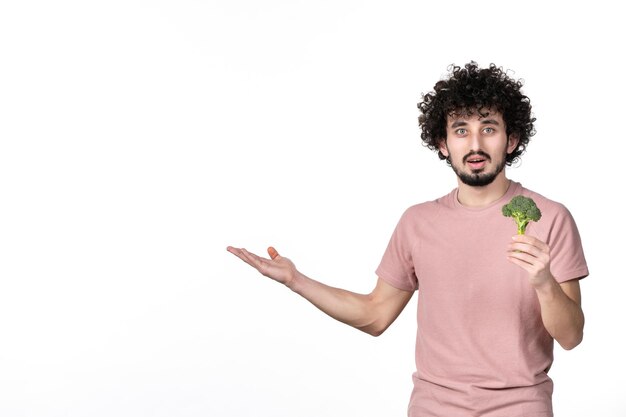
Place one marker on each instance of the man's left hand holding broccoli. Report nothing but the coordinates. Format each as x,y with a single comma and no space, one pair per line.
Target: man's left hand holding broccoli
533,255
561,311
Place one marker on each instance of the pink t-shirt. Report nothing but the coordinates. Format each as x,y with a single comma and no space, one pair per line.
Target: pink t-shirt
481,347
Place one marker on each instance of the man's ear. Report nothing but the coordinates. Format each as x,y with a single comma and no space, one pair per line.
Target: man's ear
513,141
443,147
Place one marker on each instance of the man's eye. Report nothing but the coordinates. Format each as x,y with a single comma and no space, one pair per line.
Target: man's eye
461,131
489,130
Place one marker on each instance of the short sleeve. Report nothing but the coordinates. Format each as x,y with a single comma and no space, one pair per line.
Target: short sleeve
567,259
396,266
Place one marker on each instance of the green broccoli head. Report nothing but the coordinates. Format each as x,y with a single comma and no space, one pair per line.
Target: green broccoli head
523,210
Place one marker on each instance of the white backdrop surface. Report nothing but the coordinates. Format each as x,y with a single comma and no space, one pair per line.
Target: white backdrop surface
139,138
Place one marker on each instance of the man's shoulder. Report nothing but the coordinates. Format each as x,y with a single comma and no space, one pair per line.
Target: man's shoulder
428,209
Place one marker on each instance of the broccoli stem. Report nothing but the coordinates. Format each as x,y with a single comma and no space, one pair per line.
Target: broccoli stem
521,227
521,224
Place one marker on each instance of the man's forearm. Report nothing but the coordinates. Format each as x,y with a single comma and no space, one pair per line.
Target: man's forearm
562,317
345,306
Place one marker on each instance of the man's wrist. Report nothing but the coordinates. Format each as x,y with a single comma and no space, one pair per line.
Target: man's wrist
295,283
547,289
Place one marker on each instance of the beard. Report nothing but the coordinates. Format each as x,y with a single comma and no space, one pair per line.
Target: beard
478,178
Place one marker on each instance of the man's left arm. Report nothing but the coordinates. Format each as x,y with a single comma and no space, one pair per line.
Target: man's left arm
561,310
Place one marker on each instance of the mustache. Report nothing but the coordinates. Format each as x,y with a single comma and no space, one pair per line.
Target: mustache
477,153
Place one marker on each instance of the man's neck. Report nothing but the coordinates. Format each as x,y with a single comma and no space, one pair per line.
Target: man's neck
471,196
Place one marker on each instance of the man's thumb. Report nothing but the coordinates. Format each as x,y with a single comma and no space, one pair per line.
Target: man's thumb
272,252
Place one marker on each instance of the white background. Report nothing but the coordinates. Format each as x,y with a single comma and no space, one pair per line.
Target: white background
139,138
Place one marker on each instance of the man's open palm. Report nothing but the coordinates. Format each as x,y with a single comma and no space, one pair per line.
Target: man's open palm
278,268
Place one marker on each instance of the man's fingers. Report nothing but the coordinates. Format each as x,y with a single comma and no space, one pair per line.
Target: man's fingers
248,257
522,256
251,259
534,250
521,247
530,240
272,252
239,253
255,258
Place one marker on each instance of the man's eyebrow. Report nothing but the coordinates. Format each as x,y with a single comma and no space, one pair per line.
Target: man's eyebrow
459,122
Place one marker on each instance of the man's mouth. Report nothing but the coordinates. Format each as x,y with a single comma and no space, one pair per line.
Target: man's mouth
476,162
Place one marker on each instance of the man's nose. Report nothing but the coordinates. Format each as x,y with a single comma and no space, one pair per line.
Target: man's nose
475,141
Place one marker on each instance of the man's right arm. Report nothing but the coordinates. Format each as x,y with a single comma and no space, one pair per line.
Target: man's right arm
371,313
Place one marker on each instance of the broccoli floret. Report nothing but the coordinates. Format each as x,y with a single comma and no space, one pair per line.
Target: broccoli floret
523,210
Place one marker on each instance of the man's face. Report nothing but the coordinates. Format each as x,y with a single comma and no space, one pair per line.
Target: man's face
476,147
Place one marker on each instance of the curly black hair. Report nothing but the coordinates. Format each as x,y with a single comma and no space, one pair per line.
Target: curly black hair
472,89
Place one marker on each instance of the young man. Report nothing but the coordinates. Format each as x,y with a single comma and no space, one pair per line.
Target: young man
490,302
